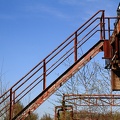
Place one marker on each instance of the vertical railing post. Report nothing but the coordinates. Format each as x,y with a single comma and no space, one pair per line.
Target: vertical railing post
108,28
72,112
101,29
11,107
55,115
75,47
102,26
44,74
13,97
103,22
64,111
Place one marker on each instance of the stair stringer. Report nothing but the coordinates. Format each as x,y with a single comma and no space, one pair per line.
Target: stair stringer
60,81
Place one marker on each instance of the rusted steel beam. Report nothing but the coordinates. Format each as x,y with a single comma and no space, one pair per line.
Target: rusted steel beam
107,49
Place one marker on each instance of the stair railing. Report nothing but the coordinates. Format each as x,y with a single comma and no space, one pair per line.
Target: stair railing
39,75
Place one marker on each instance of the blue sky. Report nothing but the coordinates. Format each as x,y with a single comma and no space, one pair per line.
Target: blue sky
31,29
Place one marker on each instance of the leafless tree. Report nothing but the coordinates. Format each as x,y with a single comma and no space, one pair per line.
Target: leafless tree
93,78
18,105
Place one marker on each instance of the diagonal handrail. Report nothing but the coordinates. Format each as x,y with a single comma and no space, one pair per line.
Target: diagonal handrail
39,75
60,81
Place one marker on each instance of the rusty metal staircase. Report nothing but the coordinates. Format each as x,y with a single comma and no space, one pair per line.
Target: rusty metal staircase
41,81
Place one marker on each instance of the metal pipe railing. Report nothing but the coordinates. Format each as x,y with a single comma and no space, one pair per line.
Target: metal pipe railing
72,39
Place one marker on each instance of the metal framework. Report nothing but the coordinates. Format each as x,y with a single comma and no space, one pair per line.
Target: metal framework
88,100
93,99
40,78
60,112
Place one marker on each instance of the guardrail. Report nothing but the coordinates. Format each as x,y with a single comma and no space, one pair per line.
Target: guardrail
39,78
